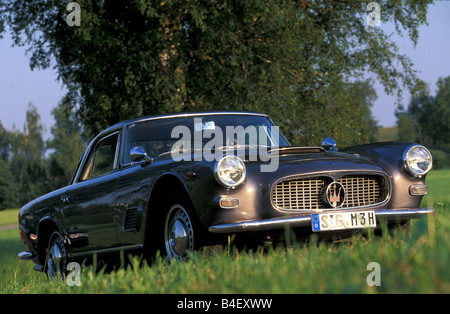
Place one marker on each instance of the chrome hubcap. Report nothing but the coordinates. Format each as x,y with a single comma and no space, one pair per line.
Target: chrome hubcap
56,258
178,239
178,233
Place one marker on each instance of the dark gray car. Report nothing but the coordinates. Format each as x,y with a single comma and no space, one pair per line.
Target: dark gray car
177,182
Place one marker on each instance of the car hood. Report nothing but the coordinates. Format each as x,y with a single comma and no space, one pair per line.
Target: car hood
302,160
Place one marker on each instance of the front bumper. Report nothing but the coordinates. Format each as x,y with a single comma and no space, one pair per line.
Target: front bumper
391,215
26,256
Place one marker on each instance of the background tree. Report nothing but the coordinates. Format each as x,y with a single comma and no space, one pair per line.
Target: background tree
436,121
66,146
430,116
407,130
8,186
27,165
5,143
34,167
286,58
426,120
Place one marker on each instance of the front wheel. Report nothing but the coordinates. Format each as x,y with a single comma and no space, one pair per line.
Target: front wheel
178,233
181,230
56,258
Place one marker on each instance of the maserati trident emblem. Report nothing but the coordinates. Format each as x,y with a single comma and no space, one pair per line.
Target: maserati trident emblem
335,194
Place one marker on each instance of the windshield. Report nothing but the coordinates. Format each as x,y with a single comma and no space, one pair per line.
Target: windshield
198,132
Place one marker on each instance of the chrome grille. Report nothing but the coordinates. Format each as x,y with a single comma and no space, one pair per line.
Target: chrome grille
308,193
361,190
299,194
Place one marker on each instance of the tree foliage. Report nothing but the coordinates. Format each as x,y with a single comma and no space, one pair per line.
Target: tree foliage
27,157
8,185
5,143
66,146
295,60
429,115
30,166
407,131
426,120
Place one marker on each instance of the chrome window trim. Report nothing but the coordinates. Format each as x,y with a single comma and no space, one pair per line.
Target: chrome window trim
196,114
92,146
178,115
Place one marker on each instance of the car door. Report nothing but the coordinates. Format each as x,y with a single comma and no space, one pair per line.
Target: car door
133,190
93,195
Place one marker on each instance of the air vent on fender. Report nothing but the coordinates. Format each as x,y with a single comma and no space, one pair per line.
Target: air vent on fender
129,222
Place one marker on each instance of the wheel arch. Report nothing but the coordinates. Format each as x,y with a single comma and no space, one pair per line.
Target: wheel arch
165,186
45,227
166,182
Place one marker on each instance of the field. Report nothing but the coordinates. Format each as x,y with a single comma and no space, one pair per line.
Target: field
387,134
409,263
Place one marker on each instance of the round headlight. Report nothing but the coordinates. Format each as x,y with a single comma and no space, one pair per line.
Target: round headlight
230,171
418,160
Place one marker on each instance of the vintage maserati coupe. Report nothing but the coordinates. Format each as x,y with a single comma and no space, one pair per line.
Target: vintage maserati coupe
178,182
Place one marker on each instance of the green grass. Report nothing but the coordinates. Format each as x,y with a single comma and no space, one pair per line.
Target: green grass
15,276
8,217
438,186
414,263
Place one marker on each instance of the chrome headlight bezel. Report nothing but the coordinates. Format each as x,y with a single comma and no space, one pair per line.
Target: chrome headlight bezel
411,163
226,164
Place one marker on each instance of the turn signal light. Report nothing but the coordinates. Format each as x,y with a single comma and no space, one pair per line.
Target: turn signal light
229,202
419,189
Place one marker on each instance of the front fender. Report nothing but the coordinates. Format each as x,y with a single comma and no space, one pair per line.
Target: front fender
46,224
390,156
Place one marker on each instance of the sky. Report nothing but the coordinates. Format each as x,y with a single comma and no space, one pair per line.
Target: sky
19,85
431,58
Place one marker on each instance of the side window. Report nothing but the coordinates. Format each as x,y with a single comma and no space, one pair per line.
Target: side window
103,158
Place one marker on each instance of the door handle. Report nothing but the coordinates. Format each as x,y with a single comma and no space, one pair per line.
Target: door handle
66,199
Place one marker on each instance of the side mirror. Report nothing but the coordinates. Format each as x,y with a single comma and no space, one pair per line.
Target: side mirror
329,144
137,153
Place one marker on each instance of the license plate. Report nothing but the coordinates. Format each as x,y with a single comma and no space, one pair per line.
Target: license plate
341,221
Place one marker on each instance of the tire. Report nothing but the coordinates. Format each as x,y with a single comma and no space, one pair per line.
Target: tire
180,230
56,257
404,227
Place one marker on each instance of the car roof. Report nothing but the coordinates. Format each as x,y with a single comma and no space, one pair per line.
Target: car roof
188,114
177,115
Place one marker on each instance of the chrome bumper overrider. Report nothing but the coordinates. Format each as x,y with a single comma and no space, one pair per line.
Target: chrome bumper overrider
26,256
304,221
